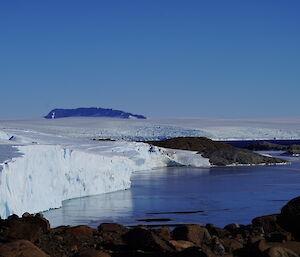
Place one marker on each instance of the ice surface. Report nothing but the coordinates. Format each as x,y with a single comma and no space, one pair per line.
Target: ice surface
48,161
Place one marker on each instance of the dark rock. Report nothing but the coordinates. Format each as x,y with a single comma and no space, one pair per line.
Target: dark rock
279,252
21,248
144,239
279,237
266,146
27,228
219,248
194,252
232,228
294,152
80,233
240,232
256,249
112,235
269,223
291,245
91,253
64,240
231,245
290,217
112,228
193,233
218,153
163,232
91,112
215,231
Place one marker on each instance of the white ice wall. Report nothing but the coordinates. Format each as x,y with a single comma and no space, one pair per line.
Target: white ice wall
47,174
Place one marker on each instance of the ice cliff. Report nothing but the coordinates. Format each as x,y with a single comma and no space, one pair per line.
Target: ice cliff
43,176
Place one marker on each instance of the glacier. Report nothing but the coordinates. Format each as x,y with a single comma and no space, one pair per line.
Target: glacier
43,176
44,162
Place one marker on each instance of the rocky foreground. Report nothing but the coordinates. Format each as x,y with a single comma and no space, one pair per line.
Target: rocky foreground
276,235
218,153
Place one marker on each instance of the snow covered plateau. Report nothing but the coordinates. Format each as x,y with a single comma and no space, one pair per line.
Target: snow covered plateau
44,162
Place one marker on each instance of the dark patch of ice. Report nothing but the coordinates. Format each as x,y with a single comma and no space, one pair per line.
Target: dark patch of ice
7,152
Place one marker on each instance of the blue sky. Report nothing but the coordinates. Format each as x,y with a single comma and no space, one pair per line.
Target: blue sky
160,58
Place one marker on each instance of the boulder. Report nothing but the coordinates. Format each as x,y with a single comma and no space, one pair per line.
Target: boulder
291,245
193,233
280,252
112,235
21,248
80,233
112,228
180,245
290,216
62,240
269,223
27,228
144,239
231,245
215,231
255,249
164,232
279,237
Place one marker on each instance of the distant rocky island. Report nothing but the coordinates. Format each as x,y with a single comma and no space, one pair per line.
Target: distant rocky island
218,153
91,112
267,146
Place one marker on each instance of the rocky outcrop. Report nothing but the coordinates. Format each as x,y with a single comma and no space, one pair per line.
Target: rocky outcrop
218,153
267,146
91,112
275,235
289,217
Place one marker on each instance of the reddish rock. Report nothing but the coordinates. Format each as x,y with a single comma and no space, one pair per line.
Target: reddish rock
21,248
27,228
193,233
112,228
80,233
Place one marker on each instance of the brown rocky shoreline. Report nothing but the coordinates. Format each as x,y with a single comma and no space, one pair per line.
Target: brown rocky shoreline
275,235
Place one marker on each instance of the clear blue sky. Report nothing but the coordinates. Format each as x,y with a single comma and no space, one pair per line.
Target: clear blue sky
160,58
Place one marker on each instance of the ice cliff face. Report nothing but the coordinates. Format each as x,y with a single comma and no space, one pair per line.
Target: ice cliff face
46,175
